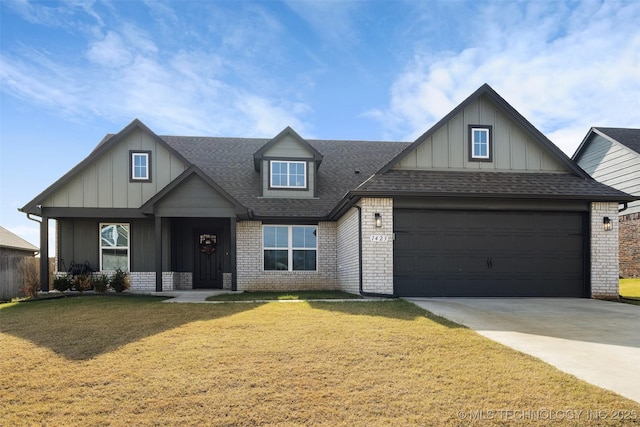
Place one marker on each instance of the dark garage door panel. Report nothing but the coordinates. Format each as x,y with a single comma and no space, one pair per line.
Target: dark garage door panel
482,253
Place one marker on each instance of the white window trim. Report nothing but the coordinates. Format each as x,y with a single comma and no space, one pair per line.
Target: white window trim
473,142
289,163
128,247
146,155
290,248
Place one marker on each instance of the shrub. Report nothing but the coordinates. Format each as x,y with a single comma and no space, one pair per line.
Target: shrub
119,281
81,282
100,283
31,277
62,283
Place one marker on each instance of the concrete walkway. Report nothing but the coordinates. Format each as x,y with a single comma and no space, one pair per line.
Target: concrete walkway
597,341
200,296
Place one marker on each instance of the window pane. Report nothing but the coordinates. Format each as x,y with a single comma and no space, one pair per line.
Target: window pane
304,260
112,259
297,175
276,260
276,237
140,163
115,235
304,237
279,174
269,237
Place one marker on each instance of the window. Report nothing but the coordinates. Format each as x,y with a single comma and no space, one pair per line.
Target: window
290,247
140,166
114,247
480,144
285,174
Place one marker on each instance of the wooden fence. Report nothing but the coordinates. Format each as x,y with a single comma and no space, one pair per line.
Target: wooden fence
12,274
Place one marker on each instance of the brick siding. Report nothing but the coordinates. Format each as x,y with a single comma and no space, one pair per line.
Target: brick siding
630,245
252,277
377,256
604,251
348,252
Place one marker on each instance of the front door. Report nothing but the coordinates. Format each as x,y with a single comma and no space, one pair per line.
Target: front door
207,271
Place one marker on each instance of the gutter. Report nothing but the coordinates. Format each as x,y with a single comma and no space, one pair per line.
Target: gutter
625,206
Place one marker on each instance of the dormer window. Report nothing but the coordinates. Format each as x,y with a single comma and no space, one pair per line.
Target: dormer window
140,169
288,174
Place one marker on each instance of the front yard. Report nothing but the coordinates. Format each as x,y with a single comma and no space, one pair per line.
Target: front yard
135,361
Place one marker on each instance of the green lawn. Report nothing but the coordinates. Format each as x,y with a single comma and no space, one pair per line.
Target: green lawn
630,288
115,361
630,291
294,295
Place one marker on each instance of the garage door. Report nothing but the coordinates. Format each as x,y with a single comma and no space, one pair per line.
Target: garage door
487,253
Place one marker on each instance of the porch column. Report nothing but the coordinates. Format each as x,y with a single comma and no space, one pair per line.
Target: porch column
158,242
44,254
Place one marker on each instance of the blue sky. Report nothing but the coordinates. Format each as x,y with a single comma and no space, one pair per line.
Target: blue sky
70,72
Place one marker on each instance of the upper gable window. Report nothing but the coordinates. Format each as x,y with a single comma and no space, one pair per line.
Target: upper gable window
480,143
140,169
288,174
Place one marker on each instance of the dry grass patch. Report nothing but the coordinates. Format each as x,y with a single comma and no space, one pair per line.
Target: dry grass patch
134,361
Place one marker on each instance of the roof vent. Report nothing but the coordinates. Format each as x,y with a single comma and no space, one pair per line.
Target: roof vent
357,171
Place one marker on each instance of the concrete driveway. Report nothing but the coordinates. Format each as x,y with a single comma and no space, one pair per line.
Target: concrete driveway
597,341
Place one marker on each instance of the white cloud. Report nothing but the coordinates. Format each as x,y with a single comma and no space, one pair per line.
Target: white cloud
109,52
564,70
185,91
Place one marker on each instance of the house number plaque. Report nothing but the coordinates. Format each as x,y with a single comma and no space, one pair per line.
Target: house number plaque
379,238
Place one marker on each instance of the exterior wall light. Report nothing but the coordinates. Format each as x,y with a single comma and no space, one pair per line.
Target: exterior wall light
606,223
378,220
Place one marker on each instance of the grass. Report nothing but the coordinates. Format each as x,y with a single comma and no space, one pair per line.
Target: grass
135,361
294,295
630,290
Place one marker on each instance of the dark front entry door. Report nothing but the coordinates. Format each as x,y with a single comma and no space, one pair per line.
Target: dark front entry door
207,271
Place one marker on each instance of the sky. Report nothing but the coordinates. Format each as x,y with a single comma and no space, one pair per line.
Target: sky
71,72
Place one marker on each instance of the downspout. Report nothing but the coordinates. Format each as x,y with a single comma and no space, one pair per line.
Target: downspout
34,220
353,205
362,292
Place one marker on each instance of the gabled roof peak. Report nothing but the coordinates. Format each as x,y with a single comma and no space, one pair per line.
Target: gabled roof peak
286,131
487,91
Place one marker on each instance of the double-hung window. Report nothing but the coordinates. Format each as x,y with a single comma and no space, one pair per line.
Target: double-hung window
480,143
288,174
140,169
290,247
114,246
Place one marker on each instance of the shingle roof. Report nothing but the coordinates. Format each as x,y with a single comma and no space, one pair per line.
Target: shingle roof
229,162
625,136
490,184
10,240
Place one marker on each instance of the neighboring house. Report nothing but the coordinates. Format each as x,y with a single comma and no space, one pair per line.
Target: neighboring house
612,156
13,245
482,204
13,250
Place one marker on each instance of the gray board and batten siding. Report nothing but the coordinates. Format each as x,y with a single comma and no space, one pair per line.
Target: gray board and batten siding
514,149
613,164
105,182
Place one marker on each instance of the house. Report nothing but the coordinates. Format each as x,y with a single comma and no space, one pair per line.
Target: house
14,245
482,204
612,156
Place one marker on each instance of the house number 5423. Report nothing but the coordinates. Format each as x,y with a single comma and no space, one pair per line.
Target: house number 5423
379,238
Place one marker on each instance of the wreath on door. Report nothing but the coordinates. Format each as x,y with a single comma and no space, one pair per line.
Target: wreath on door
207,244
